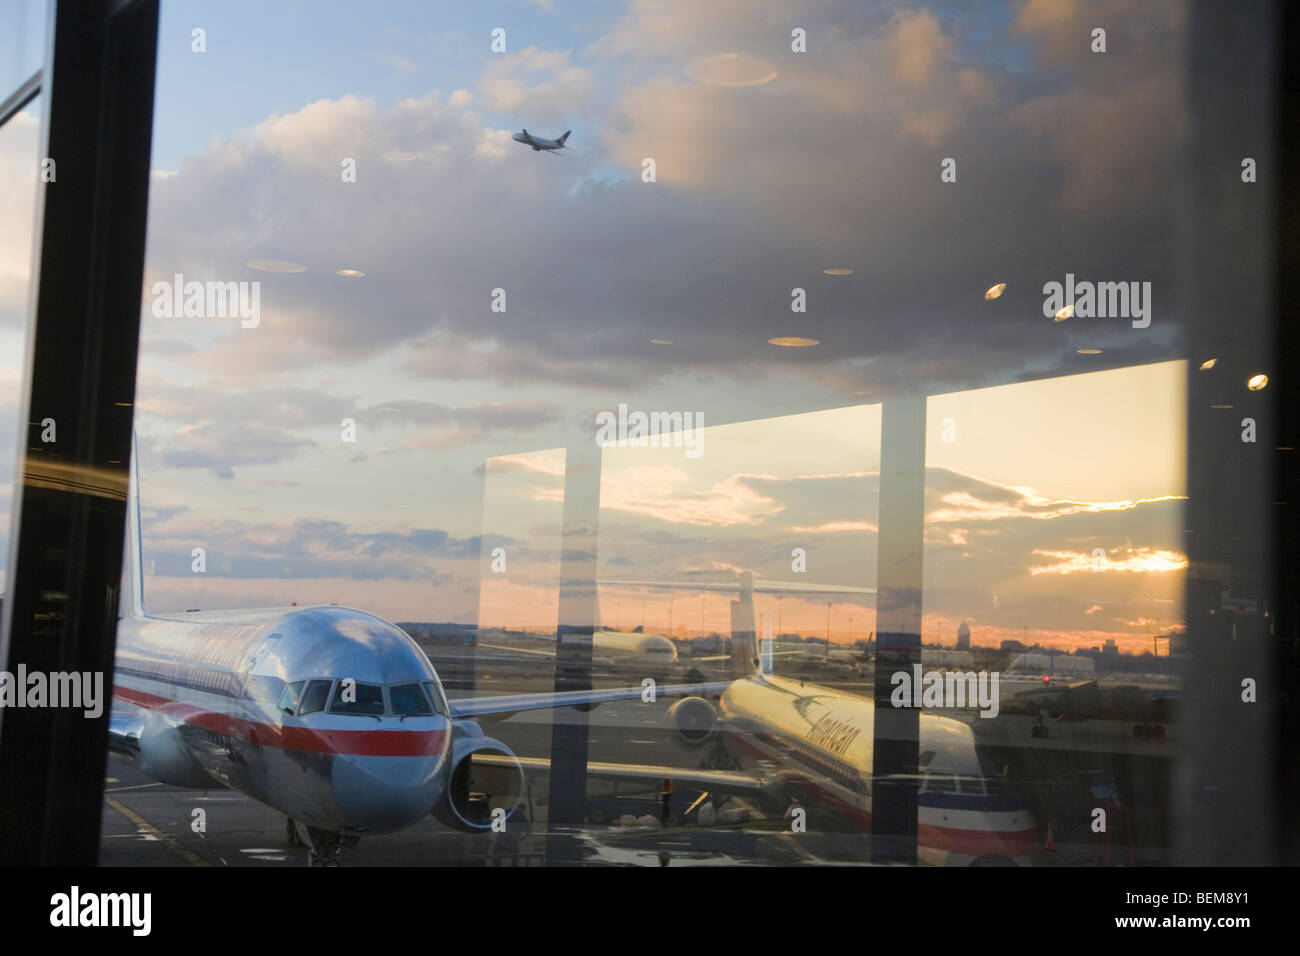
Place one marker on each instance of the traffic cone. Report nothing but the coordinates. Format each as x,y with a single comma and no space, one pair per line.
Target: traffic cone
1050,845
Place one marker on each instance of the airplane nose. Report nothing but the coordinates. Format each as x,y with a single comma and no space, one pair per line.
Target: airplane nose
382,794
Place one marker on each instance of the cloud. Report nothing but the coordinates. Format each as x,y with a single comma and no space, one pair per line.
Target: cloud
1133,560
305,548
661,492
543,84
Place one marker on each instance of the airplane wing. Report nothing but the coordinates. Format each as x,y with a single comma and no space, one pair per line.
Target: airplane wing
513,703
734,782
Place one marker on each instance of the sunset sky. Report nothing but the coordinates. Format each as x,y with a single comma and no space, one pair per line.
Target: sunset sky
772,167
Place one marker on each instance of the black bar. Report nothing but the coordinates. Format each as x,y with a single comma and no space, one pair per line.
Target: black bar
70,494
1226,770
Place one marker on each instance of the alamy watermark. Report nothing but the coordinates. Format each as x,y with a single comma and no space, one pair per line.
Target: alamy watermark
1102,300
951,689
179,299
651,430
84,691
75,908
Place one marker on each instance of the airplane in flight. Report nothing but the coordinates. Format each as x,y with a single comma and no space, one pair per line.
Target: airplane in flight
539,144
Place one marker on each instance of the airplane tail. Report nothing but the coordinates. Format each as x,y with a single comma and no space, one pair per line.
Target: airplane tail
752,648
132,601
564,137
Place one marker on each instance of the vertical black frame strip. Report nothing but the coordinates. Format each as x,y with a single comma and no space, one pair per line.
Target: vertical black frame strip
60,614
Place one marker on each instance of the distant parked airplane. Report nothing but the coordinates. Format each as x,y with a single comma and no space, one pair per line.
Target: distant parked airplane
538,144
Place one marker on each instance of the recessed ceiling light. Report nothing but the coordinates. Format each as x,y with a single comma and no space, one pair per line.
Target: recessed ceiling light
1088,351
275,265
995,290
661,341
731,69
1223,406
1208,364
1063,313
793,342
1257,382
838,272
350,273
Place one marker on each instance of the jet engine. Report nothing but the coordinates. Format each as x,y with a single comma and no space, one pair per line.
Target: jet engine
485,778
693,721
160,753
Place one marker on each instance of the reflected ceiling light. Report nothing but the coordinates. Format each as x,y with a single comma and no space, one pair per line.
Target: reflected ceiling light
1208,364
398,156
1257,382
1223,406
994,291
838,272
350,273
661,341
1286,447
793,342
275,265
1063,313
731,69
1088,351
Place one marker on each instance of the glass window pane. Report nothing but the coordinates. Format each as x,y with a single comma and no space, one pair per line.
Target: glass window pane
409,700
19,180
369,700
289,699
22,42
318,692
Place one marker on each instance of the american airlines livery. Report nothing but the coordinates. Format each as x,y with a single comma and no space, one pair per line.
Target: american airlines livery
337,719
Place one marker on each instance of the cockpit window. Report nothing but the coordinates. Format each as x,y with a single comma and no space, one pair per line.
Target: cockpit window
408,700
436,695
313,700
289,699
369,700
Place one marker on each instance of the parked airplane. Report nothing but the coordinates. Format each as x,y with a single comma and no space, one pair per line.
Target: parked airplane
538,143
278,704
628,655
800,743
329,715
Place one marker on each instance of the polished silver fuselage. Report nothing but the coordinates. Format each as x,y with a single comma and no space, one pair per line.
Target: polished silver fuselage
200,693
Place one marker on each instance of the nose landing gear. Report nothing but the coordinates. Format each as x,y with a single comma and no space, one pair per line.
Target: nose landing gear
324,847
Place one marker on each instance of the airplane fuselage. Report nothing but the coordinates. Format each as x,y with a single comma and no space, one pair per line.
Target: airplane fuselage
819,742
256,701
539,143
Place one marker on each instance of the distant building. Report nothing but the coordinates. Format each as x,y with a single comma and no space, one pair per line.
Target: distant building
1013,647
963,637
1110,647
